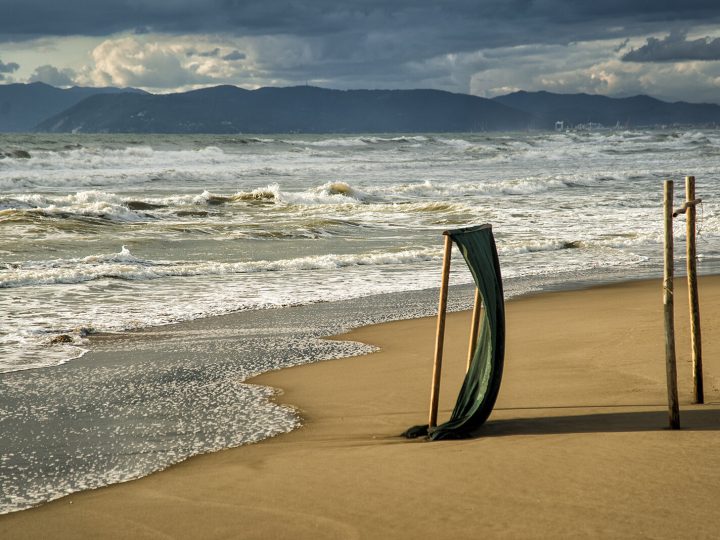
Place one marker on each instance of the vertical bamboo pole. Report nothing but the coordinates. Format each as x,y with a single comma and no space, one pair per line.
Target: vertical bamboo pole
695,341
670,367
474,327
440,336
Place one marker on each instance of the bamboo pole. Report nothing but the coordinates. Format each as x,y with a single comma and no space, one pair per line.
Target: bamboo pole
695,339
474,327
670,367
440,336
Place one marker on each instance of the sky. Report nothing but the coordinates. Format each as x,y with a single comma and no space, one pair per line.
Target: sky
669,49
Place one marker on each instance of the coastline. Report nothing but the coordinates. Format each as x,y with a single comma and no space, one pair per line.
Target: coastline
577,443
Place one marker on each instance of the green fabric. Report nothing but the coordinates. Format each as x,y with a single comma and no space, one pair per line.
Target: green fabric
482,381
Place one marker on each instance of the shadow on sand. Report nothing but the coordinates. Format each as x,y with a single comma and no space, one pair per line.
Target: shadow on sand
697,419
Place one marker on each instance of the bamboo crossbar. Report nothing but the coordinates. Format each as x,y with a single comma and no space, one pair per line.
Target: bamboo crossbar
689,204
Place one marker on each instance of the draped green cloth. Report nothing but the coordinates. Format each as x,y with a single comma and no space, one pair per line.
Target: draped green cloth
482,381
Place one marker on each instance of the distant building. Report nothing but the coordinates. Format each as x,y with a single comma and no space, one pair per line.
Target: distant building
560,125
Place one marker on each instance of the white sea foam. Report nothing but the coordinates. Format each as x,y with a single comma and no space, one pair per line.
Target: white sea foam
91,167
357,141
85,203
124,265
510,186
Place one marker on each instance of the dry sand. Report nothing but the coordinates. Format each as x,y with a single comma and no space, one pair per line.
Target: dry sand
577,445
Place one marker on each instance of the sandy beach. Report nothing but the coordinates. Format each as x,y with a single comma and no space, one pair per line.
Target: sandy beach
577,446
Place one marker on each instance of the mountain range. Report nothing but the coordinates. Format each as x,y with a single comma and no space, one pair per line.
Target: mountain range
24,106
230,109
573,109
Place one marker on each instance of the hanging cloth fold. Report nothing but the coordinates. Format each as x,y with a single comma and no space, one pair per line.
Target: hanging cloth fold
482,381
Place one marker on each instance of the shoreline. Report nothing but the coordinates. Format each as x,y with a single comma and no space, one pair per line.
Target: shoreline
630,402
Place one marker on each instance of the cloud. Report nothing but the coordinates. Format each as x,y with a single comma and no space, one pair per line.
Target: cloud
622,45
479,46
441,27
234,56
53,76
209,54
590,66
217,53
129,61
10,67
675,47
163,63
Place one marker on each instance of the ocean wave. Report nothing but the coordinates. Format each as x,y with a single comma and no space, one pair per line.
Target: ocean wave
100,156
114,207
402,139
327,194
358,141
98,166
110,206
462,144
125,266
353,141
536,246
341,189
266,194
76,207
94,204
510,186
659,143
587,241
432,207
252,140
18,153
694,137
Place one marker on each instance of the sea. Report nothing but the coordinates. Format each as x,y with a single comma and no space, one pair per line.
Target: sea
143,278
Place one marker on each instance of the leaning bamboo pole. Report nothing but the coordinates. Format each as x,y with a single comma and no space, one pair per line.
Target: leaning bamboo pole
668,305
695,338
440,335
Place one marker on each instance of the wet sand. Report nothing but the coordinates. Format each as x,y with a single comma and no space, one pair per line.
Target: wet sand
577,446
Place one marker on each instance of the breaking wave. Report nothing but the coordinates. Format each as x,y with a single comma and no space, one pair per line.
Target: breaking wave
125,266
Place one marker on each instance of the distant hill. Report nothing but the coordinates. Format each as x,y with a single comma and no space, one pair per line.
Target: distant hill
23,106
229,109
637,111
306,109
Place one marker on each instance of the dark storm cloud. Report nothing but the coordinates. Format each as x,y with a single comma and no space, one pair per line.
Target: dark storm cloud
216,53
9,67
433,26
234,56
675,47
52,75
209,54
621,46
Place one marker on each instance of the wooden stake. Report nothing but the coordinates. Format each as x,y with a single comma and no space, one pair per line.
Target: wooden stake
670,367
474,327
440,336
695,341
